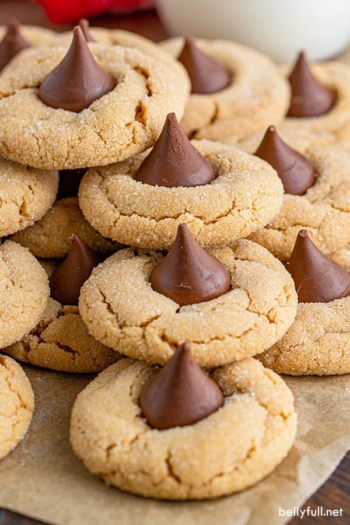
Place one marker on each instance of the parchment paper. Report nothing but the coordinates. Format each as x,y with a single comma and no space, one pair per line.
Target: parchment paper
43,479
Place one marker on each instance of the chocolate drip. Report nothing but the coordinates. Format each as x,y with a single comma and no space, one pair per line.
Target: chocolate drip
180,393
317,278
295,171
67,279
310,98
84,25
12,43
207,75
173,160
78,80
189,274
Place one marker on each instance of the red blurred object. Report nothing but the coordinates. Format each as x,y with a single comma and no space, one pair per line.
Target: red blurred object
70,11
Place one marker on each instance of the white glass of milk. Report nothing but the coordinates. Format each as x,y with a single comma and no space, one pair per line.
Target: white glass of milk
278,28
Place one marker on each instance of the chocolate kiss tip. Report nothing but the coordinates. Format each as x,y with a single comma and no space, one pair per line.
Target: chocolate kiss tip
207,75
294,170
78,80
189,274
84,25
12,43
318,279
310,98
173,161
67,279
180,393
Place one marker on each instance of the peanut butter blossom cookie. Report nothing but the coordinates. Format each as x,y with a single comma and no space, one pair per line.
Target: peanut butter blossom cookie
50,237
320,101
120,37
230,302
16,404
24,292
26,195
14,38
317,191
221,192
233,427
60,341
235,90
318,342
88,105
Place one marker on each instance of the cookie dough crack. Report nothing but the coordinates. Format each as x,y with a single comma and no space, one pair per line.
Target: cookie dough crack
170,469
61,346
145,74
175,217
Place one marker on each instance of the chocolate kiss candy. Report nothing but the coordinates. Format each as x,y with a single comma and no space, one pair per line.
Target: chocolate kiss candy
207,75
180,393
309,97
294,170
189,274
84,26
12,43
317,278
67,279
78,80
173,160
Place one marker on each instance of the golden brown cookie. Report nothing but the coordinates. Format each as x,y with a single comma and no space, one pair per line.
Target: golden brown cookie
24,292
324,210
34,35
245,195
258,95
16,404
228,451
333,126
120,308
61,342
318,342
50,237
26,194
121,123
120,37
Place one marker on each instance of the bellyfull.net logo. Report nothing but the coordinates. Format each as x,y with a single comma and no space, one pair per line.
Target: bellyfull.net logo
318,511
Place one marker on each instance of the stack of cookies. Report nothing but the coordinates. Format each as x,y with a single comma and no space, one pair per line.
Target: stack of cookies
311,232
137,93
134,92
166,280
189,294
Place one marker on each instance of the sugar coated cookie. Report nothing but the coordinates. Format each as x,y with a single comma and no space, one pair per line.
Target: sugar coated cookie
16,404
26,195
333,124
121,37
118,124
245,194
324,210
24,292
228,451
318,342
256,97
34,35
61,342
50,237
259,307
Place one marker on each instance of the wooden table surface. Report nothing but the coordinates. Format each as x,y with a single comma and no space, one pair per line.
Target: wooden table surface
335,493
